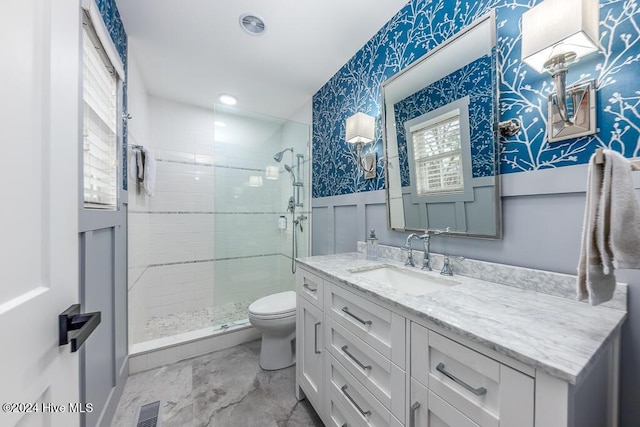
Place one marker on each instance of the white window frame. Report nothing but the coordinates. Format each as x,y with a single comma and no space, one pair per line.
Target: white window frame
438,156
464,195
100,37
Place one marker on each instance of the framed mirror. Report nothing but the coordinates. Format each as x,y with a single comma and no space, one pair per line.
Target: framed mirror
440,140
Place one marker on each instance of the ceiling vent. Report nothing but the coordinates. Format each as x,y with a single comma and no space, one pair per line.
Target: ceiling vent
252,24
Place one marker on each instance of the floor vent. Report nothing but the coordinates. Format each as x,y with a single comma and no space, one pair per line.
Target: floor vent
149,415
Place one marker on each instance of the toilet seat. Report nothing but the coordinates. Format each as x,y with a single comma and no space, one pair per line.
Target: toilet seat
276,306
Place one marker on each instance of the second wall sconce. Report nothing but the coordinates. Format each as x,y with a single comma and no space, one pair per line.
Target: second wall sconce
556,33
360,130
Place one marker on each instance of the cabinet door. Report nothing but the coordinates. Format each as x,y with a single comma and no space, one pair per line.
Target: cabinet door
429,410
309,341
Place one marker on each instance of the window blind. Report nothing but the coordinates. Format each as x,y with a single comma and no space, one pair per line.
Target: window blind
437,157
99,124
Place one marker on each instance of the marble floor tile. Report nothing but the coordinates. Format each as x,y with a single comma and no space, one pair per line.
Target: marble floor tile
224,388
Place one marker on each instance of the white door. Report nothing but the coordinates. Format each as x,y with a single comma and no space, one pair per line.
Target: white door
39,141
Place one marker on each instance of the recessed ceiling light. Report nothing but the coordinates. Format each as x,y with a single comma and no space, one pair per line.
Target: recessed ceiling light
252,24
220,124
228,99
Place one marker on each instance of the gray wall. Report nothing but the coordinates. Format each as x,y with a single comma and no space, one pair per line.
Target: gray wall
542,224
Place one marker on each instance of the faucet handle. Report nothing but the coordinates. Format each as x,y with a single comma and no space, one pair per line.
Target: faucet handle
446,268
409,262
446,264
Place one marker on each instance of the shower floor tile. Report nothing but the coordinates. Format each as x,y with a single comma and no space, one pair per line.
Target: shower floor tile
220,389
177,323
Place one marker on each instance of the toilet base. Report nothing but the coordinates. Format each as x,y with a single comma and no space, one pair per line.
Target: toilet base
277,352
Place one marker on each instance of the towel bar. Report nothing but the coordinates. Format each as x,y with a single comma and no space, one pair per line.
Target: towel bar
635,163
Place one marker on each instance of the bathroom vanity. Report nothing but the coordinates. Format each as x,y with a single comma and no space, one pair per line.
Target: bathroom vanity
374,348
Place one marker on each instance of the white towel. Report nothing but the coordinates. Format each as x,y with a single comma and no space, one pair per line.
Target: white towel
611,233
149,172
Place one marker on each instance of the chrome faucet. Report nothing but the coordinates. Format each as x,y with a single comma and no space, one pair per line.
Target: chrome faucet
426,260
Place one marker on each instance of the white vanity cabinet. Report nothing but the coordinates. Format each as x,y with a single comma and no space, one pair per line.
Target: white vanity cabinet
362,358
364,362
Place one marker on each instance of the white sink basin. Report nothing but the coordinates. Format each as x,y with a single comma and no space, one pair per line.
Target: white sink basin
405,280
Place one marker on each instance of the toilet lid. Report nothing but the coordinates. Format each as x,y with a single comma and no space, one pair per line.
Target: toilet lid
280,303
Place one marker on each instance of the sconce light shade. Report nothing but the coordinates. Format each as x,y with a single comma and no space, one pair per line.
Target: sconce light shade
559,26
361,128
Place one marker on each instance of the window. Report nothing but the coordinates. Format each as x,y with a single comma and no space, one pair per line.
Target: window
437,155
100,126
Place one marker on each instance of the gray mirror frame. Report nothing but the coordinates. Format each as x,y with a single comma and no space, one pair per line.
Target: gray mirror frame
491,17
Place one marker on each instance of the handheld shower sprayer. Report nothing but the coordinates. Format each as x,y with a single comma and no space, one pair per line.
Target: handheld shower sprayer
290,170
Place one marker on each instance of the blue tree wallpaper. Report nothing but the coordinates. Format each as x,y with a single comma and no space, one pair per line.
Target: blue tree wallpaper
113,22
473,80
424,24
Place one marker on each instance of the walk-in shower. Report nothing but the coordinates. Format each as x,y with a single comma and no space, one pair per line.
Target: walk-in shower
210,241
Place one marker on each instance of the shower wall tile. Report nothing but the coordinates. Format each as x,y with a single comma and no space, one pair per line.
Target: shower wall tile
179,287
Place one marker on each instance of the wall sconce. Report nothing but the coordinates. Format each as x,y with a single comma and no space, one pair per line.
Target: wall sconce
361,130
555,34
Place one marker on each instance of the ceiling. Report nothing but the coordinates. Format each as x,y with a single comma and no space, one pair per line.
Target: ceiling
193,50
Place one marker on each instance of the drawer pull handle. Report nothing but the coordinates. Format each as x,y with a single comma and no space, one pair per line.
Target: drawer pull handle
344,391
480,391
364,322
315,340
412,414
309,288
352,357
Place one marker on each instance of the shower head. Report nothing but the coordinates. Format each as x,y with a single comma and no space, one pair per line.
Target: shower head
288,168
278,156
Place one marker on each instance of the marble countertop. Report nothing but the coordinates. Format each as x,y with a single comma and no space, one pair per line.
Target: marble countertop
559,336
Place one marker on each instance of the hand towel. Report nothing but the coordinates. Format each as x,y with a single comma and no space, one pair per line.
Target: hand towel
150,167
611,231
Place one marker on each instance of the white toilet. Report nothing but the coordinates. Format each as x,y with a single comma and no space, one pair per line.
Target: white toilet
275,316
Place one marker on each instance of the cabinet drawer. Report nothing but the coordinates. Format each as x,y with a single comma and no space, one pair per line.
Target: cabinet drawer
382,378
310,286
429,410
486,391
359,403
372,323
337,414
